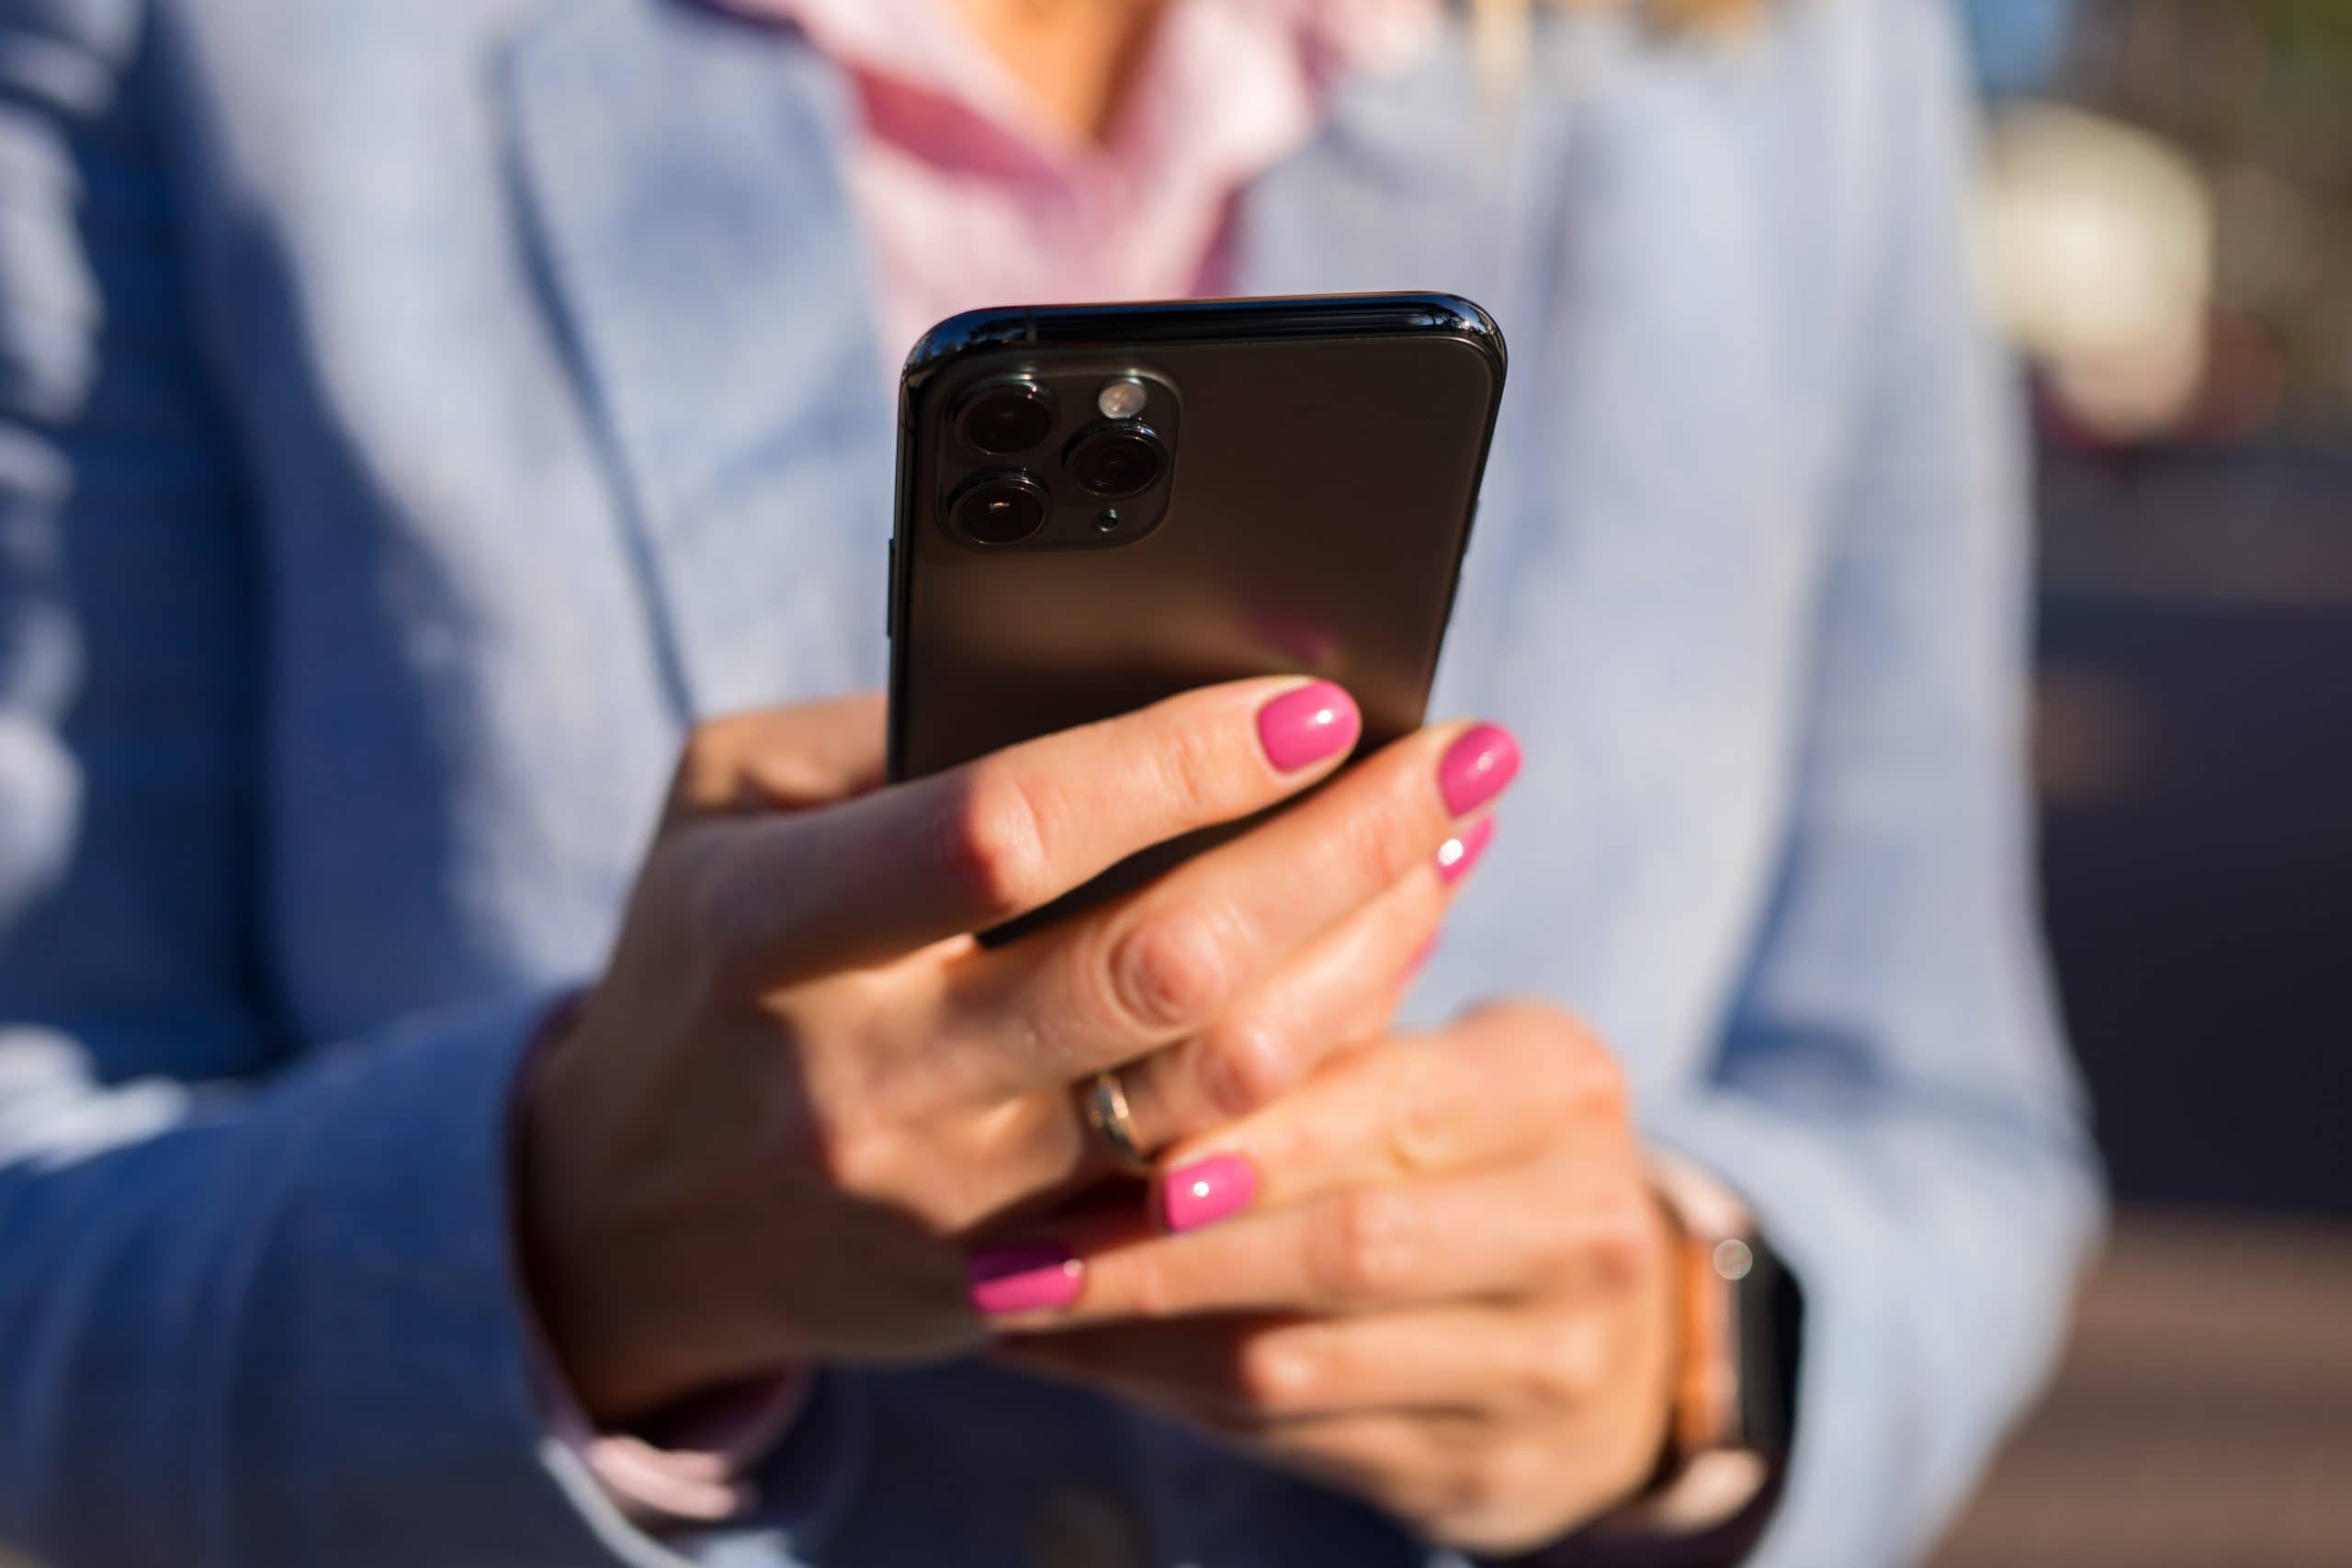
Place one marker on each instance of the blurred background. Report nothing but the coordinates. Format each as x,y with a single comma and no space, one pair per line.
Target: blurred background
2167,229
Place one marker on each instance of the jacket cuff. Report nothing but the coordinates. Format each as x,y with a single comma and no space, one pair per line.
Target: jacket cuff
397,1224
693,1466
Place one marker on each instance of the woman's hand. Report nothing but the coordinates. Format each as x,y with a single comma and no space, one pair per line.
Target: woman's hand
801,1084
1433,1277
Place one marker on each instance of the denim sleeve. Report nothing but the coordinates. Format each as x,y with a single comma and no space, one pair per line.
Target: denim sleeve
1892,1095
251,1312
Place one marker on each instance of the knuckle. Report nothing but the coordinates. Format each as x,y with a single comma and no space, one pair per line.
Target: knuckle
850,1158
1245,1064
1368,1246
1169,972
1623,1239
1565,1369
994,844
1423,1127
1272,1375
1605,1091
1190,771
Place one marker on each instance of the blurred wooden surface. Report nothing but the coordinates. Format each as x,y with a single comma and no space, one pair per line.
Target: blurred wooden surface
2203,1418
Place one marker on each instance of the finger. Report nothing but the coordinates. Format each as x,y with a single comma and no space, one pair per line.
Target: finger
1266,1369
785,759
1165,962
1340,995
1564,1223
1340,992
963,851
1497,1086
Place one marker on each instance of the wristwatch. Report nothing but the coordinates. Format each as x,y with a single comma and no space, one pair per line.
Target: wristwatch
1734,1417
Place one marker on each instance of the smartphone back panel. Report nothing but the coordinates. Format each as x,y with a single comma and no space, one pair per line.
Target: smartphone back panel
1321,461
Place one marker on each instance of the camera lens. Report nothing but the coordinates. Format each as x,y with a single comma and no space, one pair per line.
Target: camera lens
1116,460
1007,419
999,509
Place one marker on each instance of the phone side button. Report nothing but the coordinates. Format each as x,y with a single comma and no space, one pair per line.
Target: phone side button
890,597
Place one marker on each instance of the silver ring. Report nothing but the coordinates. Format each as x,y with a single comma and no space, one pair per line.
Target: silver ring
1108,1113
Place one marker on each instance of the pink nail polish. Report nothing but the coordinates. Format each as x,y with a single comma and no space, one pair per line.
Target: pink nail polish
1315,723
1458,855
1206,1191
1026,1277
1477,768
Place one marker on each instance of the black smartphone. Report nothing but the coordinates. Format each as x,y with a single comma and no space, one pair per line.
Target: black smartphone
1102,506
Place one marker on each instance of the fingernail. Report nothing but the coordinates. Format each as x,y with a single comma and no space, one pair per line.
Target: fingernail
1315,723
1476,768
1206,1191
1028,1277
1455,858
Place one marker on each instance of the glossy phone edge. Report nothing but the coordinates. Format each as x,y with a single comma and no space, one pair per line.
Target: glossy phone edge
1198,321
1272,317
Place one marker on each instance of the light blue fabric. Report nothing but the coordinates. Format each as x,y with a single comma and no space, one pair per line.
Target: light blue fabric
413,411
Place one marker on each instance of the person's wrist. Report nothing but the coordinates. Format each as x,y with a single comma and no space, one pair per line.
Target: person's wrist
555,1270
1710,1475
569,1246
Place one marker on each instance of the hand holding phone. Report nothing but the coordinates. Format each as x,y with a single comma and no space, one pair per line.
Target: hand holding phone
799,1091
1100,507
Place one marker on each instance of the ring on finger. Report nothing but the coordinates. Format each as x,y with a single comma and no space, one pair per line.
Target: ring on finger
1107,1111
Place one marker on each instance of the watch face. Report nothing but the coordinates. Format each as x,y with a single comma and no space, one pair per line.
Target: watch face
1771,1337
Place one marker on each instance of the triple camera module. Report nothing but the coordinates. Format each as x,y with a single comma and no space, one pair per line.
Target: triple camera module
1022,473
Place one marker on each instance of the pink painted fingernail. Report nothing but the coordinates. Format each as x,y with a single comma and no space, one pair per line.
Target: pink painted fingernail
1206,1191
1311,725
1477,768
1455,858
1026,1277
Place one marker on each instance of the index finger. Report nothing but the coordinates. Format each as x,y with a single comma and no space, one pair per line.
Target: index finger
1167,962
884,875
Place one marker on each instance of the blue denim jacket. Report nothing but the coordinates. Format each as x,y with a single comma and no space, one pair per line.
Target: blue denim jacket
413,413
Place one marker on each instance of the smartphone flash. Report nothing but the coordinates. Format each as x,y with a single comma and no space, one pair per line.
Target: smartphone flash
1121,400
